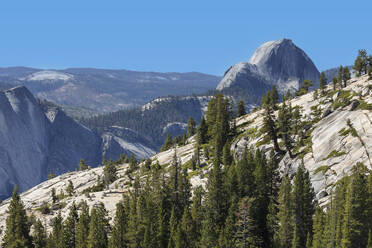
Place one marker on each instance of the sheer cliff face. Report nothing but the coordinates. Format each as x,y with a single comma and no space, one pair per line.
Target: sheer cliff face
35,142
279,63
24,142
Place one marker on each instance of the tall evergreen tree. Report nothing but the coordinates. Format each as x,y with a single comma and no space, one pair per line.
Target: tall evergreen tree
119,230
284,123
318,229
191,127
98,228
346,76
241,108
303,205
354,231
202,133
285,233
39,237
55,238
69,228
82,229
322,82
17,226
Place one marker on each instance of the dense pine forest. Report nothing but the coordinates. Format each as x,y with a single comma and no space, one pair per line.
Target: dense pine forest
245,203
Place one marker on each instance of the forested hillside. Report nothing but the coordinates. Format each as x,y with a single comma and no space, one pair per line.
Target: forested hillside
266,179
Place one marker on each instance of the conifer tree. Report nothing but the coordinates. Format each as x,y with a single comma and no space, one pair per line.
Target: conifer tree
274,96
354,231
82,165
322,82
82,229
197,214
191,127
109,172
270,128
346,75
318,229
17,226
98,228
245,225
303,205
284,123
285,233
334,83
39,236
69,228
202,133
55,238
241,108
361,63
70,188
226,155
172,229
168,143
119,230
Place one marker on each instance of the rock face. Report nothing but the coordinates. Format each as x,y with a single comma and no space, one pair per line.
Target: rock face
37,141
279,63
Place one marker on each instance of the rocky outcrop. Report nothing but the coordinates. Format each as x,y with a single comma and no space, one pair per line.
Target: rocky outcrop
38,140
279,63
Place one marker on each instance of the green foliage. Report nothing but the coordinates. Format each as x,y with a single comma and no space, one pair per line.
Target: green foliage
241,109
39,237
109,172
82,165
334,153
191,127
322,169
305,85
70,188
17,226
322,82
98,228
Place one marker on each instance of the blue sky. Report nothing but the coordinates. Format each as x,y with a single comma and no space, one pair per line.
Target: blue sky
206,36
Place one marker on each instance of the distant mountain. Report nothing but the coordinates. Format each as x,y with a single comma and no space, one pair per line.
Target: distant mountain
279,63
38,138
155,119
101,90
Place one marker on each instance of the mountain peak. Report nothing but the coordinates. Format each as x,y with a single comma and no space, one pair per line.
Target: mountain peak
279,62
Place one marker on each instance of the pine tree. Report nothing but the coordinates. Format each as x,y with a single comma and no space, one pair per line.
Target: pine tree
70,188
185,233
197,214
303,204
119,230
53,195
284,123
361,63
322,82
82,229
172,229
17,226
318,229
274,96
191,127
354,231
55,238
39,237
82,165
245,225
270,128
346,75
98,228
168,143
285,233
241,108
109,172
334,83
69,228
202,133
226,155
